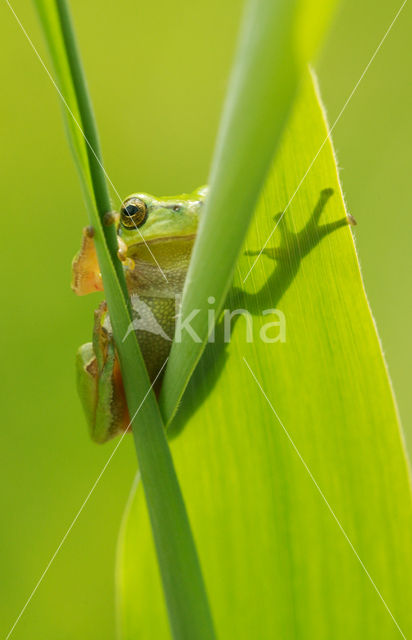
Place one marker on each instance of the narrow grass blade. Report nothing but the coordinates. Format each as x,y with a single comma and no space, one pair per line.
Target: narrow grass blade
273,50
179,566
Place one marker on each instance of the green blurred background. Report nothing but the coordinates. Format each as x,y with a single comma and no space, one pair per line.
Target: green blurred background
157,73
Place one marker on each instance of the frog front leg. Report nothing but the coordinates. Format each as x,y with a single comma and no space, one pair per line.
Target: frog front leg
100,383
86,276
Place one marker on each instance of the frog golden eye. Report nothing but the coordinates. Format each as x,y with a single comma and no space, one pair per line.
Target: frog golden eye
133,213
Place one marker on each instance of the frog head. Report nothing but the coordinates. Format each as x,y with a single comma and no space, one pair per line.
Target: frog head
158,227
156,237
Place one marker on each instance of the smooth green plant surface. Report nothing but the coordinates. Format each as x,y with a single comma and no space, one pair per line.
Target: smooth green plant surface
290,454
276,41
48,463
269,74
183,583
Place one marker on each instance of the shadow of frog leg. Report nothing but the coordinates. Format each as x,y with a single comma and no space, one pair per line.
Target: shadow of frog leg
313,232
288,255
313,221
279,252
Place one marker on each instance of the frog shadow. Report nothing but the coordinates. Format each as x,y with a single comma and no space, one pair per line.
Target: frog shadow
288,256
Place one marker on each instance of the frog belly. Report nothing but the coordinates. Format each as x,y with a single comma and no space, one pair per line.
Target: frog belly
154,328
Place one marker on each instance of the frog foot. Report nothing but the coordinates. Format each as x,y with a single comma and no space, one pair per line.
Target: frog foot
100,383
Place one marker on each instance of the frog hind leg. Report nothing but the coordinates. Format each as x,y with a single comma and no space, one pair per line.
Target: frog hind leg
100,385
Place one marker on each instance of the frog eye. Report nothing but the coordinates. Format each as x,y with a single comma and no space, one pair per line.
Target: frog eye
133,213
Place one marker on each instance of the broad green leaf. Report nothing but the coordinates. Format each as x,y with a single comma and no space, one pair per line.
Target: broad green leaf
276,40
271,532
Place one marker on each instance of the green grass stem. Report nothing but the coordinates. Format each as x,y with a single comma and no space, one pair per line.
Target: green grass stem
183,584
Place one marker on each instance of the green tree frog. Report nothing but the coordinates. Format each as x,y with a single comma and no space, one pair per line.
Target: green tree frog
155,237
